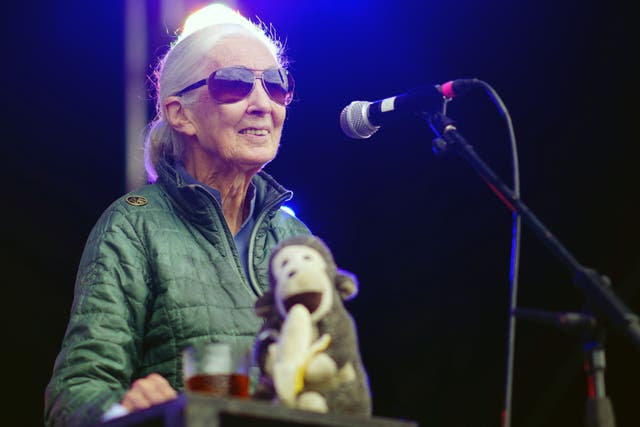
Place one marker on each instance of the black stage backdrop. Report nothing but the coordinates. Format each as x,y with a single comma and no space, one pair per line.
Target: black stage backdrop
428,240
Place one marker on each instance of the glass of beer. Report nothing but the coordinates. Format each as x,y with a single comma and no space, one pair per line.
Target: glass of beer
215,369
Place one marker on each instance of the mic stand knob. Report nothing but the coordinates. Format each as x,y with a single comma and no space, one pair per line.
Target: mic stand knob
439,146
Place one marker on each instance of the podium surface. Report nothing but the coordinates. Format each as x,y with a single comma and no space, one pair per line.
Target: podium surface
199,410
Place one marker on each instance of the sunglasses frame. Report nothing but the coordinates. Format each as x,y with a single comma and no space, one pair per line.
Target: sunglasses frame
287,99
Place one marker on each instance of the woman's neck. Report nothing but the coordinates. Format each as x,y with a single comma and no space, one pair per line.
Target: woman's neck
233,185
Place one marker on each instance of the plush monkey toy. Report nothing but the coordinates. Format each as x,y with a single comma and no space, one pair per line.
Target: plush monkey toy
308,350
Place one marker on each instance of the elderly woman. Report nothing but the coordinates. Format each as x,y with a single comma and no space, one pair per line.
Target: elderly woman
182,260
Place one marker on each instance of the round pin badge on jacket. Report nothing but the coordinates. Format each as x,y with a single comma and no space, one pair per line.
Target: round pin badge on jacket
136,200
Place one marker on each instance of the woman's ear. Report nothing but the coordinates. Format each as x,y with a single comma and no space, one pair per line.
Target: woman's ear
178,117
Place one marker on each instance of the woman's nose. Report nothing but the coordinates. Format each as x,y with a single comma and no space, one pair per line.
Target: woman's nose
259,100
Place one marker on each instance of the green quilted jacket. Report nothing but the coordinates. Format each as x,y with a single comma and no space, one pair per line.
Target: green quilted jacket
160,271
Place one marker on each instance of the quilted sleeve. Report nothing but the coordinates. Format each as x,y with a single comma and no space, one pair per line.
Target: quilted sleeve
101,349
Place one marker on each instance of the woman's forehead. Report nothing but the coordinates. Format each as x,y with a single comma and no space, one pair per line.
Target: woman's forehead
241,50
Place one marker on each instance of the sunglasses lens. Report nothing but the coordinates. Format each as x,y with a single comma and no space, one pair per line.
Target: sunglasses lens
231,84
279,85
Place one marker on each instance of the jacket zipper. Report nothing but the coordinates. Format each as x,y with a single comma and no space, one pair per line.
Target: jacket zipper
253,280
250,283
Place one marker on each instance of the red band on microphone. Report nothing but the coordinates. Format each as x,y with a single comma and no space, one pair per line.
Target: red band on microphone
447,90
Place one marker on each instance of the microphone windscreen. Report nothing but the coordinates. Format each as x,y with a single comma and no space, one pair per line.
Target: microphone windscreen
354,121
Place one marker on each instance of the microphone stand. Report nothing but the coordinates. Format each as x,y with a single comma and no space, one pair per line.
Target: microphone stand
596,288
598,408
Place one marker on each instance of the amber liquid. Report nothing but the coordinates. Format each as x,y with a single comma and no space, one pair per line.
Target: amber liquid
220,385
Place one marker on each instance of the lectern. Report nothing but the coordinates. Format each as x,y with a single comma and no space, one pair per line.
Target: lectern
199,410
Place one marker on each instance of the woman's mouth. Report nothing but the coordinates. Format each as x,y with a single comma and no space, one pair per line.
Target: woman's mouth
254,131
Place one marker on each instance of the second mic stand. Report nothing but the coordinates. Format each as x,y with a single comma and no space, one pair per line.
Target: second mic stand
598,407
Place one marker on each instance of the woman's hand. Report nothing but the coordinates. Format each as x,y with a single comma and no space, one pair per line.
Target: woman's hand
148,391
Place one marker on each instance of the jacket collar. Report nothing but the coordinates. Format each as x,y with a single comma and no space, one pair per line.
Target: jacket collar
194,200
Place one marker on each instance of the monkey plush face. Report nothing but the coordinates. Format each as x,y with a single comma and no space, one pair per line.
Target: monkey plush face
301,276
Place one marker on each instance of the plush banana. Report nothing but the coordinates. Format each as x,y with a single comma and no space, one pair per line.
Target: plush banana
293,352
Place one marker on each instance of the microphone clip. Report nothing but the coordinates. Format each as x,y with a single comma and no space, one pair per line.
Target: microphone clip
440,124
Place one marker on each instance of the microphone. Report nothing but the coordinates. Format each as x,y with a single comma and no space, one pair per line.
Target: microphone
361,119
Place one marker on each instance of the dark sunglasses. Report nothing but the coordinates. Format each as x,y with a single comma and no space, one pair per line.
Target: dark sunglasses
232,84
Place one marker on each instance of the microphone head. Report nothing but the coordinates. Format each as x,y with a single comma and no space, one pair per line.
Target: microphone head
354,121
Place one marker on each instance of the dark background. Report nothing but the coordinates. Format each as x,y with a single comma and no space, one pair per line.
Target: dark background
427,239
